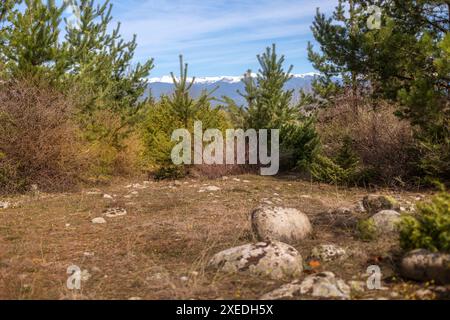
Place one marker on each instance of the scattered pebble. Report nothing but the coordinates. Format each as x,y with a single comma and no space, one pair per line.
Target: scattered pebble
107,196
98,220
115,212
4,205
209,189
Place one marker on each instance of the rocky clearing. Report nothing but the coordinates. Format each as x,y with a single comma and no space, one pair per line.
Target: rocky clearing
155,240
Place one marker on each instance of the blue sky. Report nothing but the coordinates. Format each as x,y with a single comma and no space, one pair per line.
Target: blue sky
218,37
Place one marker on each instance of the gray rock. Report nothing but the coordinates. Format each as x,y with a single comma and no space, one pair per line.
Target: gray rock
328,252
282,224
321,285
375,203
385,221
423,265
275,260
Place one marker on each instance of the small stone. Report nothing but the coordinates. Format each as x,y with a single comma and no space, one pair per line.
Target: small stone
184,278
107,196
115,212
98,220
423,294
4,205
357,286
281,224
328,252
85,275
209,189
134,298
88,254
236,179
177,183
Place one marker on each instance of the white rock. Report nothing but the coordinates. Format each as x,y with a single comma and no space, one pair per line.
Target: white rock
282,224
321,285
385,221
325,285
107,196
236,179
4,205
209,189
275,260
85,275
98,220
328,252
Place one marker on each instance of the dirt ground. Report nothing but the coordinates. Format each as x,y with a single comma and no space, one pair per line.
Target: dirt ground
160,248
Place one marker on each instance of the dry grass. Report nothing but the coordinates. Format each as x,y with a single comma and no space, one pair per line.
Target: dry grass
381,140
169,232
38,142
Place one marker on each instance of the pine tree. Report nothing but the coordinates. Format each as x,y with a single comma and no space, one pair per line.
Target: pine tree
269,106
175,111
268,103
101,66
31,44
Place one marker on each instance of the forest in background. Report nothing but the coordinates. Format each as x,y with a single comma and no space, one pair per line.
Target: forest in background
72,110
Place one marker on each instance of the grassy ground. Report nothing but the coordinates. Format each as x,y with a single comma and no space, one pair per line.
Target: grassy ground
159,250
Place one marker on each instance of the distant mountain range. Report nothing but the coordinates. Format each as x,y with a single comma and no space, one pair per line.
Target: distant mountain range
226,86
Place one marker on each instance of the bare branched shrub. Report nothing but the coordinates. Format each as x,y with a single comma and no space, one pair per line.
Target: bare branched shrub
382,141
39,144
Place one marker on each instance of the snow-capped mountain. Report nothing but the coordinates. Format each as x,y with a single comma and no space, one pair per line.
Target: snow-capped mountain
224,85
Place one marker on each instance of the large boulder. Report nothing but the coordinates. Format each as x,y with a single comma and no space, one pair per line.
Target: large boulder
320,285
281,224
275,260
423,265
385,222
376,203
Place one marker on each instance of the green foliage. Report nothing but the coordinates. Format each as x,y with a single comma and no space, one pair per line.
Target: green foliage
268,103
176,111
347,158
170,172
300,143
100,63
430,227
92,64
270,106
367,230
343,169
31,44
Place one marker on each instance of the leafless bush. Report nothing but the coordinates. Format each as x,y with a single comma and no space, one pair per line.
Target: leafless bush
38,142
381,140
